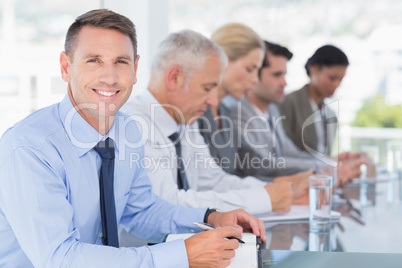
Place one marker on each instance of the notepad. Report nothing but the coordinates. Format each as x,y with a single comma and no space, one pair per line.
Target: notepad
297,212
246,255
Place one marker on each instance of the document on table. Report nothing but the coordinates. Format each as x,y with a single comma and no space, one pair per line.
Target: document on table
377,179
246,255
297,212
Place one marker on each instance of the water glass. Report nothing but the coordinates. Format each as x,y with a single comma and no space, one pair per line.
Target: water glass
320,194
372,152
394,167
319,240
329,170
394,156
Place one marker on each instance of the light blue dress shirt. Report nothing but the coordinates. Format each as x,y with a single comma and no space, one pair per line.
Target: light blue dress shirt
49,196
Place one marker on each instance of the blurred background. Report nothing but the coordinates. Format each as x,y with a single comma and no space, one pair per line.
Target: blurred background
368,102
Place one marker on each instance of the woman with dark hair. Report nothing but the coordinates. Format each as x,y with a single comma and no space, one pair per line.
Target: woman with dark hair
308,120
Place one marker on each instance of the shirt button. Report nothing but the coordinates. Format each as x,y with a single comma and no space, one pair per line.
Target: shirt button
192,230
100,235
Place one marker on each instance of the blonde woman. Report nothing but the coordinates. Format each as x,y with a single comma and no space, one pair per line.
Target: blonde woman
245,51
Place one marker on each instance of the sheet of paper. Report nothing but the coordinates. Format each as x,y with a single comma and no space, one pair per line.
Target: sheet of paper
297,212
246,254
382,177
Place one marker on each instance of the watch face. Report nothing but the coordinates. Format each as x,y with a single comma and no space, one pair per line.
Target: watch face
209,211
215,209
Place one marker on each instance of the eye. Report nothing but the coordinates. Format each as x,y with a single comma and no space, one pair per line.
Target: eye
93,60
250,69
334,78
122,61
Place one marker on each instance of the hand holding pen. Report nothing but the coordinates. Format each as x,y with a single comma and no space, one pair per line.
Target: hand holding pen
240,220
212,247
206,227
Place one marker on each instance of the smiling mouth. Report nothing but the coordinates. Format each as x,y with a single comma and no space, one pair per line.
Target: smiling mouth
106,93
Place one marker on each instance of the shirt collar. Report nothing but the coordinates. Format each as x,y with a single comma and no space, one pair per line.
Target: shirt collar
159,116
315,107
79,132
258,111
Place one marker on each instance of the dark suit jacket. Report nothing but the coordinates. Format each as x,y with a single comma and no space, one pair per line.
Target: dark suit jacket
299,124
220,140
257,143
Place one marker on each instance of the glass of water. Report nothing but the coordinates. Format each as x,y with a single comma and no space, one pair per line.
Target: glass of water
320,201
394,156
394,167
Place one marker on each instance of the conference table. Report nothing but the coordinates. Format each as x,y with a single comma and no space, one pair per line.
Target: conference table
368,233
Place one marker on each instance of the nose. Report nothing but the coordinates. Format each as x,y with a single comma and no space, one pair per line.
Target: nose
108,74
337,83
212,98
254,78
283,82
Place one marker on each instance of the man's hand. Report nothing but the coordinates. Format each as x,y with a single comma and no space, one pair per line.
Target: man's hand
240,220
281,195
301,192
348,156
300,186
348,170
349,166
295,178
211,249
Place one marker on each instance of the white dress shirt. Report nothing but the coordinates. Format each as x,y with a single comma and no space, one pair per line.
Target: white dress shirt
209,185
319,126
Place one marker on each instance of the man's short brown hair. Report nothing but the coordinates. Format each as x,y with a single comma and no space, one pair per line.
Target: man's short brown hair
100,18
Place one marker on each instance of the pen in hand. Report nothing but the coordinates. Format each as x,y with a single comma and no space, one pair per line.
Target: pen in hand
206,227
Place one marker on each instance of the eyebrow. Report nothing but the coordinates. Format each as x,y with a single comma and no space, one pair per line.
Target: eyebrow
279,72
213,84
125,57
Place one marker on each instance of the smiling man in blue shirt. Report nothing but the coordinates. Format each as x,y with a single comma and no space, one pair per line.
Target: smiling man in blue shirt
49,170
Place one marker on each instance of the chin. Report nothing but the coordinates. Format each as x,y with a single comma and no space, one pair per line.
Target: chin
240,95
277,101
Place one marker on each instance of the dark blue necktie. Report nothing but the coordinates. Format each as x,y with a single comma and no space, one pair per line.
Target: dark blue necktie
105,150
182,182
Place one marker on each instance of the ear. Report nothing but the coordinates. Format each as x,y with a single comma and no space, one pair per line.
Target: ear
314,69
135,69
174,78
65,66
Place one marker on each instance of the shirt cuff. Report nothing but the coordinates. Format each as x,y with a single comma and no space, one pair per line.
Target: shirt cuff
254,182
170,254
260,203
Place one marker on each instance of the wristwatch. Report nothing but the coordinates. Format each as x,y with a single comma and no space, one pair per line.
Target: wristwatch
209,211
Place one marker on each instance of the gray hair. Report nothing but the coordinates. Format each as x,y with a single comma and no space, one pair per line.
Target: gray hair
186,49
